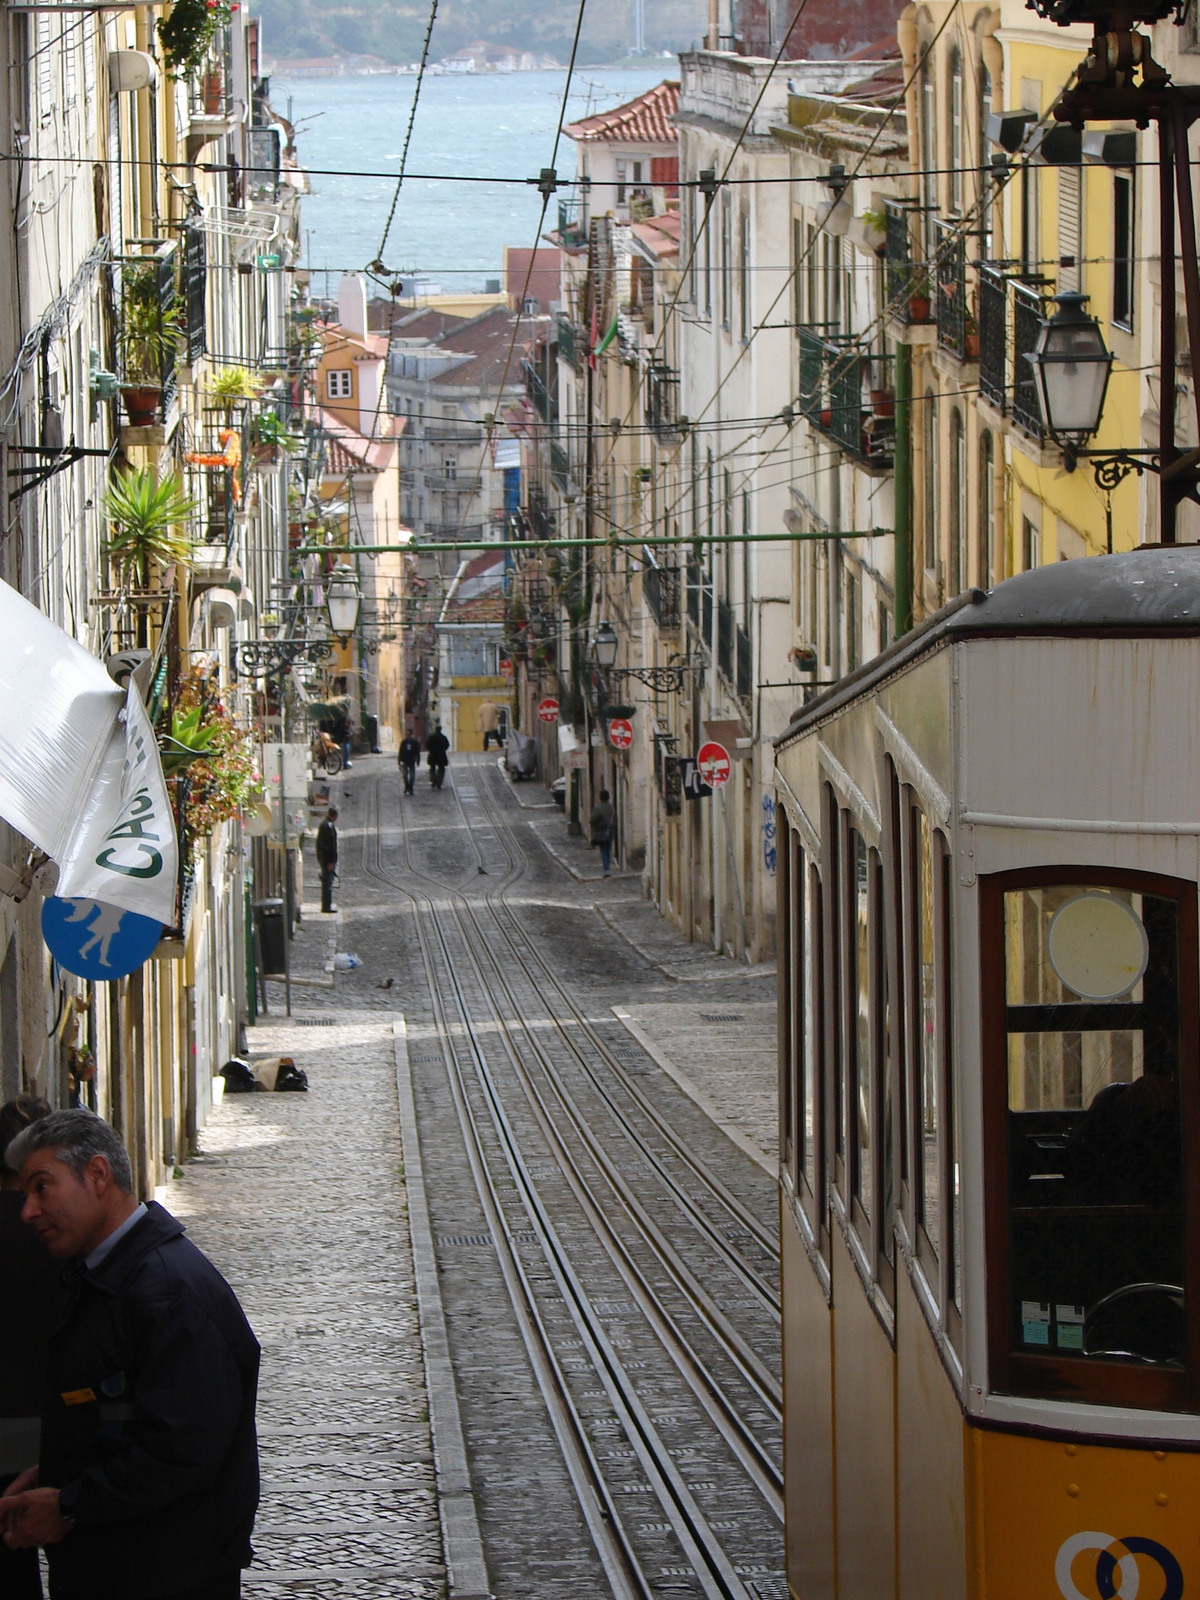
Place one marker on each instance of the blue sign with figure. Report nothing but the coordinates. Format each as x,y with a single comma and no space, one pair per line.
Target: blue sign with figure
97,941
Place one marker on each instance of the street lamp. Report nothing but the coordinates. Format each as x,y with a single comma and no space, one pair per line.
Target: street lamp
343,602
604,644
1071,364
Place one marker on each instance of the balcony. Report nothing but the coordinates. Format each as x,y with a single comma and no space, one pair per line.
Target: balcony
451,433
951,290
662,402
660,590
1027,320
907,278
993,335
151,327
572,344
833,375
542,521
560,466
539,396
570,224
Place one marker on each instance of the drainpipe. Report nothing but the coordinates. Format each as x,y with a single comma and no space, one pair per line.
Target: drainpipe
903,490
714,24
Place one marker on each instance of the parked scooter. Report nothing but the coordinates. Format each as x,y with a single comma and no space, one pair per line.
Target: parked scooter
327,753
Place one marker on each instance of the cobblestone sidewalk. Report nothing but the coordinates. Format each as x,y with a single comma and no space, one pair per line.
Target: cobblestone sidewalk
300,1201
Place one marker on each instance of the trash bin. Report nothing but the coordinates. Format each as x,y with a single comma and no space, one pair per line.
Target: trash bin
268,919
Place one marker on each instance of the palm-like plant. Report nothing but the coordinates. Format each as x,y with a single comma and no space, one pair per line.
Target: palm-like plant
146,517
188,741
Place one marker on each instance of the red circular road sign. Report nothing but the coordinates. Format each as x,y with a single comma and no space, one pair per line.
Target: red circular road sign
713,762
548,709
620,732
506,668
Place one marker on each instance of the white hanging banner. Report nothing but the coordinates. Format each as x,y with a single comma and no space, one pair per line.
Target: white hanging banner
124,851
80,777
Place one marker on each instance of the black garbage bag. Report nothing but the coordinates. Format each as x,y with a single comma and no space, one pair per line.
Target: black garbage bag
238,1078
292,1077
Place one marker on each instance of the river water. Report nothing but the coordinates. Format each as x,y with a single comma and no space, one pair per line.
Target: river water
493,124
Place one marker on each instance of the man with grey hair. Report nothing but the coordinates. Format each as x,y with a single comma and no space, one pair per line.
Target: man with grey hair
147,1482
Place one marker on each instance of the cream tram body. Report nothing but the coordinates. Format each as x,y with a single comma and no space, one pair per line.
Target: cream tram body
990,1235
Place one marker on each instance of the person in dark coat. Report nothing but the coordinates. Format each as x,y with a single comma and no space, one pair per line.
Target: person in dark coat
437,747
409,760
327,853
147,1480
604,824
32,1303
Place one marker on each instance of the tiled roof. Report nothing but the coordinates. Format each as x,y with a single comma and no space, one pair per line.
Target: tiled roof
660,234
477,592
348,450
646,120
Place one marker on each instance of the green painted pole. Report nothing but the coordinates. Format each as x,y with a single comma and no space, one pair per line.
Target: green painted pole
903,549
518,545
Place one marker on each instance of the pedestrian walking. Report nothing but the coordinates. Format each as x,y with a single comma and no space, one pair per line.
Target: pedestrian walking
437,748
146,1483
327,854
487,722
603,824
409,760
33,1301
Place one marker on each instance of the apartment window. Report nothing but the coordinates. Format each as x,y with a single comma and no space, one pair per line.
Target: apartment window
708,262
746,562
339,385
687,201
451,467
831,250
928,155
987,466
19,23
1070,228
1031,189
727,531
985,110
812,264
621,182
958,502
744,270
1031,540
854,650
1123,248
45,66
930,495
797,274
70,60
956,132
726,261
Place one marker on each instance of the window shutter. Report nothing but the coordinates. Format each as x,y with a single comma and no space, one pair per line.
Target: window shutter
45,67
1070,228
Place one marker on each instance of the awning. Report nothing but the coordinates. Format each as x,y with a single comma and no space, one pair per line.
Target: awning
507,453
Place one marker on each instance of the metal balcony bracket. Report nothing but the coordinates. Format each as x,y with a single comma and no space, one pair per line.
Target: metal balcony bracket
273,655
57,458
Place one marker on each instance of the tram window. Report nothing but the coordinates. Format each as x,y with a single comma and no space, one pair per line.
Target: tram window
858,993
811,1132
797,1000
836,923
896,1022
787,983
1093,1016
887,1136
928,1099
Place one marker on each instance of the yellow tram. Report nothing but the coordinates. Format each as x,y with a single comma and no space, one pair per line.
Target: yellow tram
989,1057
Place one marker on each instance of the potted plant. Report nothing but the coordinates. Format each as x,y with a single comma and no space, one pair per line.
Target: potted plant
149,341
970,336
269,436
232,385
144,517
918,298
874,230
189,31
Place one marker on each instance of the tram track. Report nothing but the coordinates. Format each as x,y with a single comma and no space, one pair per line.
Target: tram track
458,956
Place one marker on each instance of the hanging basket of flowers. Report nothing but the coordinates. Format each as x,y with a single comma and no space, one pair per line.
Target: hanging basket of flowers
189,31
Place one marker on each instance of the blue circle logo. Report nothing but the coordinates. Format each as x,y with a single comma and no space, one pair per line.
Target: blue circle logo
1117,1573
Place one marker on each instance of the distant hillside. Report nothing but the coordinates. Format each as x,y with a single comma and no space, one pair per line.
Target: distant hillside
393,29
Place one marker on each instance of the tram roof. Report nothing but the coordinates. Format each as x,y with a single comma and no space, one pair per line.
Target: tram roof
1152,590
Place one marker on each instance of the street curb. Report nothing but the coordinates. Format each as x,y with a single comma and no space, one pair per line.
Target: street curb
744,1143
462,1545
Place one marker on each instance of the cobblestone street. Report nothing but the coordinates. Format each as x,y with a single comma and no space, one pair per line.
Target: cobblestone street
304,1202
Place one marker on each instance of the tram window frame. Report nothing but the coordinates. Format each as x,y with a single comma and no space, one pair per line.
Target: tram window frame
1056,1377
893,1098
832,986
813,1173
860,989
797,1001
786,923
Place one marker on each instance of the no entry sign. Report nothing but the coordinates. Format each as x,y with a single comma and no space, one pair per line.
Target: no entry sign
620,733
548,709
712,759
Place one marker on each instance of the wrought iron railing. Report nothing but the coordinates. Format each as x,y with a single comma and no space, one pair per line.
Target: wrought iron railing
833,375
560,465
1027,322
662,401
660,587
572,345
993,335
535,389
951,269
812,364
150,331
907,278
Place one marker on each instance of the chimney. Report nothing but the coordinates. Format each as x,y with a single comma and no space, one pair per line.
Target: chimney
352,303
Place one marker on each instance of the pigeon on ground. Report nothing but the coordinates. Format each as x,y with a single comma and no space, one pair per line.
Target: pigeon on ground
386,984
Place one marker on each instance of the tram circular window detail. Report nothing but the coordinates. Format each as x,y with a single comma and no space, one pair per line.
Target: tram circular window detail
1095,1180
1097,946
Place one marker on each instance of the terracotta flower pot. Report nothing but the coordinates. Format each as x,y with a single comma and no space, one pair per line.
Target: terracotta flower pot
883,402
212,94
918,308
141,406
826,418
971,344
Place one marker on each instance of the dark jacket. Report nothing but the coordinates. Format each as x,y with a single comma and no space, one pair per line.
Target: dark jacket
148,1422
438,747
32,1302
603,821
410,753
327,844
